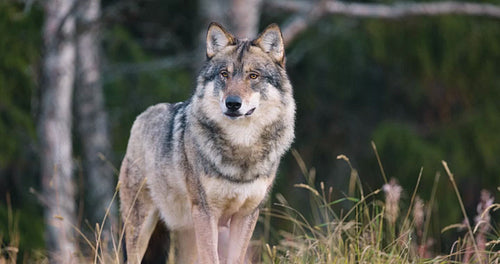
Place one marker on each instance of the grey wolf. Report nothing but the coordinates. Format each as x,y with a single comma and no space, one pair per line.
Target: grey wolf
201,168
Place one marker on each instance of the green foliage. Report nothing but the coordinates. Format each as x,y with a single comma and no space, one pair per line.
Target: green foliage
20,47
407,152
445,72
23,228
425,89
137,89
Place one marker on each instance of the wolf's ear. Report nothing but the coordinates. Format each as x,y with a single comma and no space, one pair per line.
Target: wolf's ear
217,39
271,42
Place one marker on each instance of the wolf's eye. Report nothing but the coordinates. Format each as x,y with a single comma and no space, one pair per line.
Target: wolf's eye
253,75
224,74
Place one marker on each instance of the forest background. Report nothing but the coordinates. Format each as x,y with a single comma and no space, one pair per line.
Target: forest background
423,87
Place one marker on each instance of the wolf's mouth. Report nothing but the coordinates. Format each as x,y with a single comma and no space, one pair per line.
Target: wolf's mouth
234,115
250,112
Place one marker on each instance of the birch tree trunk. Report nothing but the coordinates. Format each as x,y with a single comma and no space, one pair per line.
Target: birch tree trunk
54,129
91,116
244,17
213,11
240,17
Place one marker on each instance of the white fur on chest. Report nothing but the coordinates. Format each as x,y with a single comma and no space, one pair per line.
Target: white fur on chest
230,198
171,196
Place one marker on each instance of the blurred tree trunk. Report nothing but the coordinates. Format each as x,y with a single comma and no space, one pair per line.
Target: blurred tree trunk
240,17
244,17
213,11
209,11
54,129
91,116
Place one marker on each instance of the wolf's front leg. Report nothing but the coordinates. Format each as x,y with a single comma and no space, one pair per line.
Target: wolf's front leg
205,228
186,251
241,229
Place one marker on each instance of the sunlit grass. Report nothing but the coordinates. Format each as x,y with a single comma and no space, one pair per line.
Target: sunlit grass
372,229
8,251
369,227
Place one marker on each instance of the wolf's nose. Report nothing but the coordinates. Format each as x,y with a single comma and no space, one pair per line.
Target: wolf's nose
233,103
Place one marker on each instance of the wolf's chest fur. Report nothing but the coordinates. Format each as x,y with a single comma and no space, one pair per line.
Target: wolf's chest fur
223,158
226,198
235,197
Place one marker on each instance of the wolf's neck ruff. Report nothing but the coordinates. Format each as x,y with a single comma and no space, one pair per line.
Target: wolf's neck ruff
221,158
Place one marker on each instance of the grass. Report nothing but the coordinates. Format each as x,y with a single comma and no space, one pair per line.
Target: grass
369,228
374,230
8,252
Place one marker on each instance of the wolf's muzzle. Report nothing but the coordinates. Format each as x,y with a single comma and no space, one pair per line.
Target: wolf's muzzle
233,103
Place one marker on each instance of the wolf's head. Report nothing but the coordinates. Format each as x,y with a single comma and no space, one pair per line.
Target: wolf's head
244,79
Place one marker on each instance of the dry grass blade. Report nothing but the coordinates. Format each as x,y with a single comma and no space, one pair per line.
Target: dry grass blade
379,161
462,207
407,217
307,187
300,162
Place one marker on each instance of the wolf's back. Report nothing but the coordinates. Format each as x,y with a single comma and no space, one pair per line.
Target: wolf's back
157,131
155,137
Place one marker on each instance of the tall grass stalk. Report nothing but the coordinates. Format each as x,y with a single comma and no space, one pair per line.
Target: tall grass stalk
462,207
